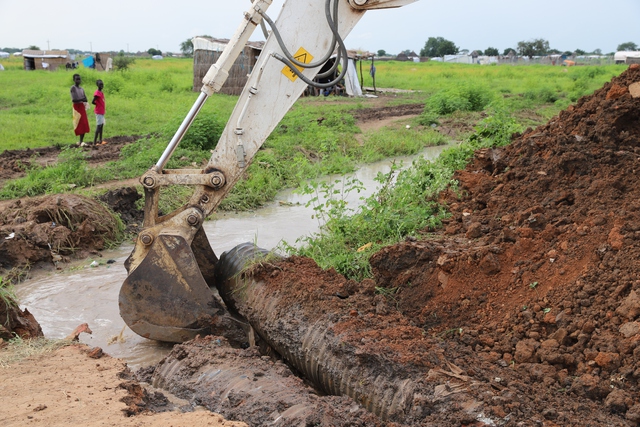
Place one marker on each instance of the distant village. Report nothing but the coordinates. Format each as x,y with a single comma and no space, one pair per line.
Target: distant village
205,48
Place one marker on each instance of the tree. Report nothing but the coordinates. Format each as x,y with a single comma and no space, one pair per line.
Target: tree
382,52
597,51
121,62
153,52
187,47
507,51
531,48
580,52
33,47
491,51
438,46
627,46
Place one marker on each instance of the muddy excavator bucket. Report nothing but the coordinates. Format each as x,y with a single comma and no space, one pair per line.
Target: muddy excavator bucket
167,296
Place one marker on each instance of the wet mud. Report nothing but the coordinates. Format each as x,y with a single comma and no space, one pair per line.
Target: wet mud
377,113
15,163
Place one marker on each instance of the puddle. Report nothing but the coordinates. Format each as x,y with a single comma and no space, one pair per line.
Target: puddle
61,301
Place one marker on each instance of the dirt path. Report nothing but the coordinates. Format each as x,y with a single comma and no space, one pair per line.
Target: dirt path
69,388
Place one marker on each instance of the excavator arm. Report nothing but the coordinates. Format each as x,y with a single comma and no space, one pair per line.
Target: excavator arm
166,295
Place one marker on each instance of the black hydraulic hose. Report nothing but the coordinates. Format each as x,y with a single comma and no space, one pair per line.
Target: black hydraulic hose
292,63
311,347
330,20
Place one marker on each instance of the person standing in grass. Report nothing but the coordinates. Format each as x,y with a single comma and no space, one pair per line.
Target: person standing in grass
98,101
80,106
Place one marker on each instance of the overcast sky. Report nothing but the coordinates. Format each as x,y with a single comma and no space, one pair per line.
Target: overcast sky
137,25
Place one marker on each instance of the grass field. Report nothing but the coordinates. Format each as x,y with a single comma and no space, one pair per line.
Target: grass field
36,107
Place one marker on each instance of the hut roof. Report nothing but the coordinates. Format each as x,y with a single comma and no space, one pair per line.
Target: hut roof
45,53
215,44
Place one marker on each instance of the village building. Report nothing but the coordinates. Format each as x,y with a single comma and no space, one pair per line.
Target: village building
44,59
207,50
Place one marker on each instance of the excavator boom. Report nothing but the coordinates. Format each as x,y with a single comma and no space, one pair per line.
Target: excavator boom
167,295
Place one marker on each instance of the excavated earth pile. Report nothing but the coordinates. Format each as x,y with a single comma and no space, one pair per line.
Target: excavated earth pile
53,228
523,311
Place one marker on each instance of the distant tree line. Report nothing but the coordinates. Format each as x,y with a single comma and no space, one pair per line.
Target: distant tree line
439,47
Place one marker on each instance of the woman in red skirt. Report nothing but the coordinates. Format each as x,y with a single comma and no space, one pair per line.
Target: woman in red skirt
80,104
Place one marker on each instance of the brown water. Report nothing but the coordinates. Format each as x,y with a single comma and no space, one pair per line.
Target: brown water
63,300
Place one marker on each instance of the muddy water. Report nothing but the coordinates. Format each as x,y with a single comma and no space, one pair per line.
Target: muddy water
61,301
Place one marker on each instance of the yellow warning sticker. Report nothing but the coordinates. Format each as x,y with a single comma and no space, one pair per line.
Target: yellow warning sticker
301,56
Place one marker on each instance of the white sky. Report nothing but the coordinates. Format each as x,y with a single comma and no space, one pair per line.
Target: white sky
137,25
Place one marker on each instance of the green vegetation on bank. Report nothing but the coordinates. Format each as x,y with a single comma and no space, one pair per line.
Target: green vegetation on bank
404,206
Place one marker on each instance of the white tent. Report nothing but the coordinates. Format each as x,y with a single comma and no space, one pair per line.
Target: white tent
351,83
4,54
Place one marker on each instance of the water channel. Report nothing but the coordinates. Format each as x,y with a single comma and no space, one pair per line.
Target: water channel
63,300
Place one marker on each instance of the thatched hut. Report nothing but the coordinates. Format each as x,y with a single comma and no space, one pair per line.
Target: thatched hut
206,52
44,59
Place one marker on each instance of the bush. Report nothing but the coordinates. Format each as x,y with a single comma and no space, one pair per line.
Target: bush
121,62
462,98
543,94
203,134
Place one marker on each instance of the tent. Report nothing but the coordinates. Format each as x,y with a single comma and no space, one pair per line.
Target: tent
351,82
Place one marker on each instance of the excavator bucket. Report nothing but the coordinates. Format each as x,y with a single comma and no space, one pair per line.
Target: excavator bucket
166,297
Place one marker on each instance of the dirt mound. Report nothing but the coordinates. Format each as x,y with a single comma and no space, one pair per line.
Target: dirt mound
525,309
13,320
53,228
537,269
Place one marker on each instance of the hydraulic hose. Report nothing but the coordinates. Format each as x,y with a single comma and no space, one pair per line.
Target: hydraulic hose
292,63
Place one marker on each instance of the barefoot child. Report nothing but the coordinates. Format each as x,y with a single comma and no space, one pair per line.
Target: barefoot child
98,101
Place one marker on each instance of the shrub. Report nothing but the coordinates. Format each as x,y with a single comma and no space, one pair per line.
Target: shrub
121,62
203,134
465,97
